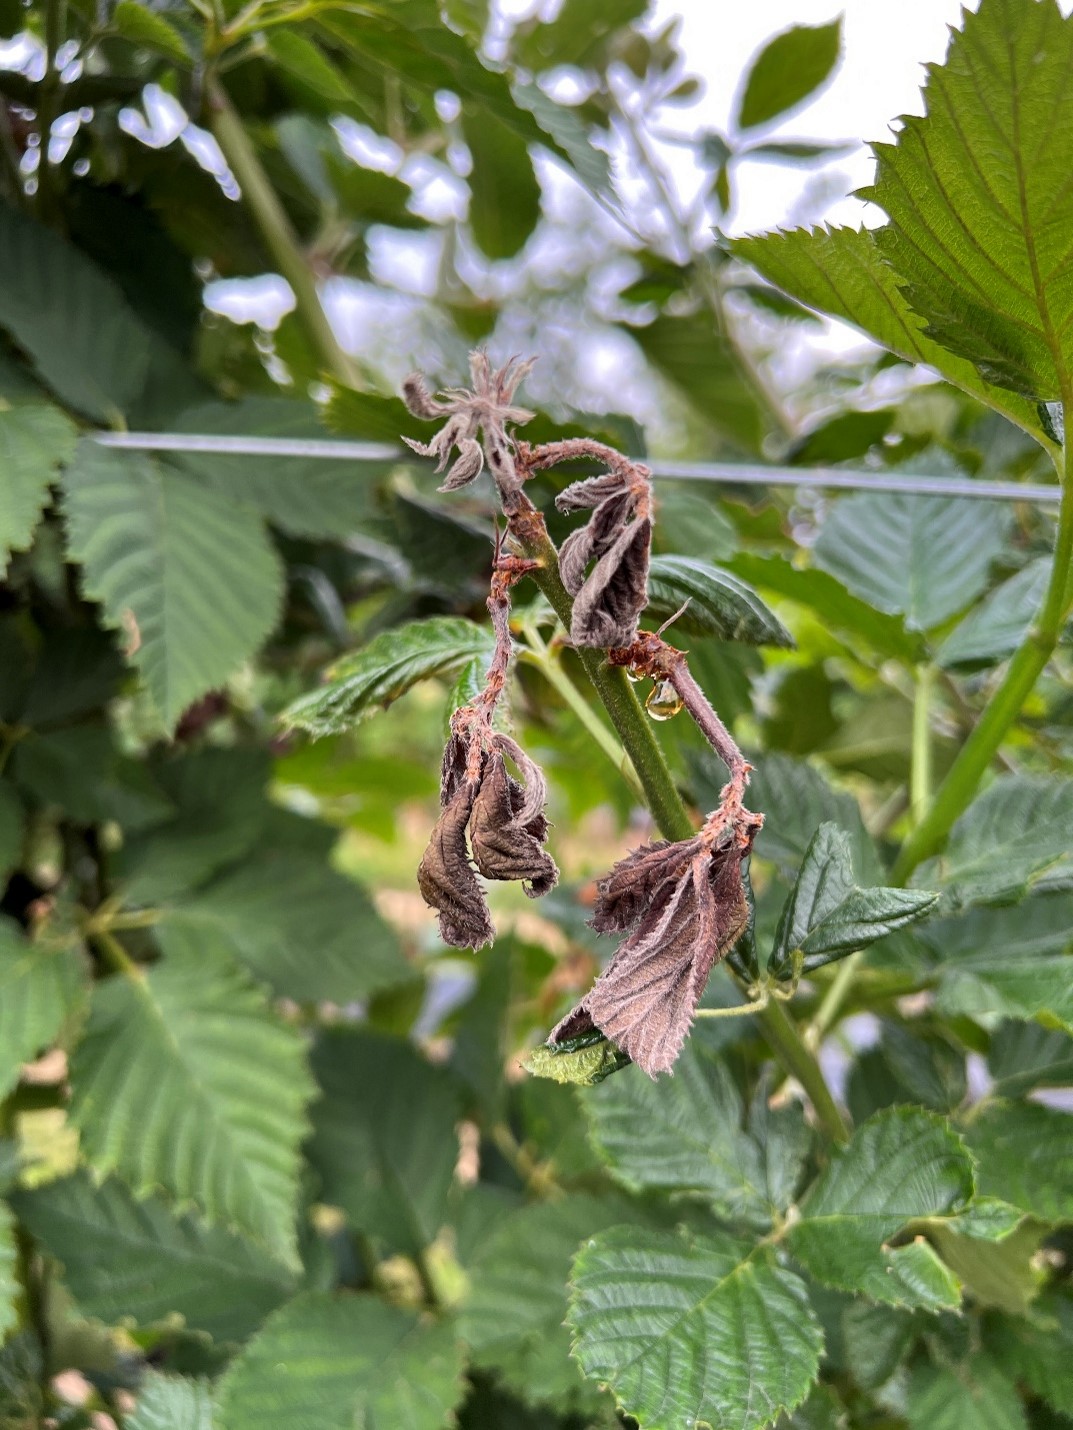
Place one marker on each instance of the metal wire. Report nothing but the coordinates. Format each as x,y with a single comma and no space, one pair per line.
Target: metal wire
726,473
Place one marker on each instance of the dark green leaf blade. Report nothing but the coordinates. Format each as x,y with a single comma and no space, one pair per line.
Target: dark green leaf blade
72,320
384,1143
35,441
720,604
504,194
981,230
921,557
996,627
127,1257
185,1080
689,352
901,1164
384,669
512,1317
345,1361
42,985
1024,1155
1012,839
167,1402
189,576
787,70
841,271
682,1135
692,1331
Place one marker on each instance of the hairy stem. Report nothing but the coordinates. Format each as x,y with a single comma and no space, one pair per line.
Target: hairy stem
664,801
275,229
958,788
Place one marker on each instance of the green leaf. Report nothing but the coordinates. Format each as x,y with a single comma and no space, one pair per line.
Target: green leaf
692,356
1011,962
976,1393
902,1164
311,933
981,214
921,557
344,1361
504,204
9,1284
191,577
384,1142
1011,840
298,56
579,35
148,28
719,604
184,1080
1024,1155
512,1317
11,831
384,669
304,496
787,70
22,1403
1038,1350
1024,1055
831,603
796,799
692,1331
683,1135
842,272
996,627
35,441
42,986
70,319
127,1257
218,806
583,1061
828,915
992,1254
167,1402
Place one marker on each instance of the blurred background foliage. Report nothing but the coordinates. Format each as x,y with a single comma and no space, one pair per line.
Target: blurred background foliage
177,182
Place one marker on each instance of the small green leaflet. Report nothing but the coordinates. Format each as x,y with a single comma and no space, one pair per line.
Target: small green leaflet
828,915
996,627
975,1394
383,670
720,604
789,69
585,1060
692,1331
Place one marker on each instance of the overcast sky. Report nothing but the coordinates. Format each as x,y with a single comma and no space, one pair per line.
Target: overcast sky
885,44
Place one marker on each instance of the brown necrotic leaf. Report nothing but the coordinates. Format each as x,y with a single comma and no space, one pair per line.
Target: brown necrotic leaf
445,875
608,605
692,913
623,895
508,827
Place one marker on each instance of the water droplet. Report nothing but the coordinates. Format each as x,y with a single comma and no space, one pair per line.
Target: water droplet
633,677
664,702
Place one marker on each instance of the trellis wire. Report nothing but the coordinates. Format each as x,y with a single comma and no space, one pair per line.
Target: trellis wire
727,473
